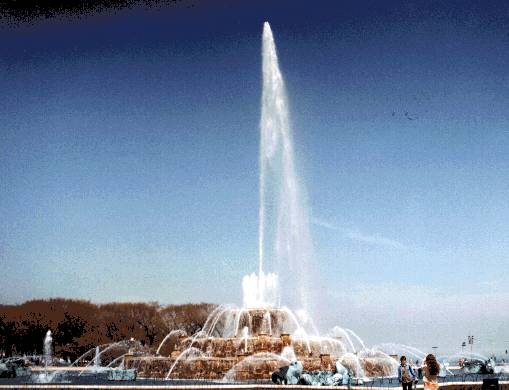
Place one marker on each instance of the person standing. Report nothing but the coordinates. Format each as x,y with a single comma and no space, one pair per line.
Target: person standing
431,370
406,374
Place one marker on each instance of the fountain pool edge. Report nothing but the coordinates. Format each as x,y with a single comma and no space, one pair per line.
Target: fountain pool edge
503,385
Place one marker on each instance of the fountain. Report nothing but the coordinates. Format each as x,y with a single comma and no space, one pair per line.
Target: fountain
262,339
252,341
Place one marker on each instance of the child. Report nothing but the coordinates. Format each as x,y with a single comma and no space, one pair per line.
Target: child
406,374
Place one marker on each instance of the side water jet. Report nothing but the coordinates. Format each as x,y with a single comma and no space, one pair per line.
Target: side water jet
48,350
359,340
89,352
188,353
97,359
173,333
116,360
401,349
125,345
339,332
46,376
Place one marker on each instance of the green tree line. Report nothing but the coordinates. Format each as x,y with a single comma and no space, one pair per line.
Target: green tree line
78,325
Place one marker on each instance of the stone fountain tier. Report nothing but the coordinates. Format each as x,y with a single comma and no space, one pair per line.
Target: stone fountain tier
218,367
272,321
241,347
213,358
232,322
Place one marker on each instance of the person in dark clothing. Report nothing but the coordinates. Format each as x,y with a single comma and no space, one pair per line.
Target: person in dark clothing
406,375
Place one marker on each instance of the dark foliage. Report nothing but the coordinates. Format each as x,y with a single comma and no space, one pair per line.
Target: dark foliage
78,326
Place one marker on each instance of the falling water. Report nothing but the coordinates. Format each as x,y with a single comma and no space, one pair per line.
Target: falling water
267,323
248,362
245,336
288,353
283,219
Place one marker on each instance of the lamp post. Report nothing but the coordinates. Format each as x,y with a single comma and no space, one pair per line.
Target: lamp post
463,345
434,350
471,342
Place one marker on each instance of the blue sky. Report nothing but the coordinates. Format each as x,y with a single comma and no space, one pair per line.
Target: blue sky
129,158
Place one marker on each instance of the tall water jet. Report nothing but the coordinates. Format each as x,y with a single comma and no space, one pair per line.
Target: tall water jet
283,219
260,290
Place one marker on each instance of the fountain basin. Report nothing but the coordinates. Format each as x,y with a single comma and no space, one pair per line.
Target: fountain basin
122,375
249,358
